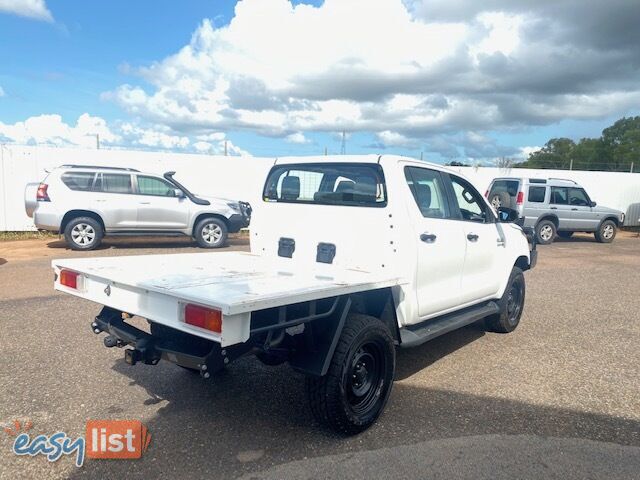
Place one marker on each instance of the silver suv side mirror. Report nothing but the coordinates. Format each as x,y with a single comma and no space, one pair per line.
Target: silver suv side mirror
178,193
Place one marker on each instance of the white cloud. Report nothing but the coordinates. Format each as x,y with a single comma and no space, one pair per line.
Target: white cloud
52,130
35,9
403,70
2,94
395,139
524,152
298,138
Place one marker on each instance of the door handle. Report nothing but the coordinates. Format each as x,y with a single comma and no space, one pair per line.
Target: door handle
428,237
472,237
574,209
553,208
145,203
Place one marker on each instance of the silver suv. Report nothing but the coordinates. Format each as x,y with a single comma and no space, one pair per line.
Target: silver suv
86,203
553,207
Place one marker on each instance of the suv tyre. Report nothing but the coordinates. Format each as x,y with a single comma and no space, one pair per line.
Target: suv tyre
545,232
606,232
83,233
211,233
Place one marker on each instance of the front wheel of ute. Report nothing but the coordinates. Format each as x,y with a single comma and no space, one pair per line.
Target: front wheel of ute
511,305
355,390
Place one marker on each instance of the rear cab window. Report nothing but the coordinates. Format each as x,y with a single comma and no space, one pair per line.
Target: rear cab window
347,184
428,191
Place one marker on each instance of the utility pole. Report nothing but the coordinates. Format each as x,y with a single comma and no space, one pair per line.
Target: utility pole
343,147
98,141
325,151
421,155
225,148
631,169
571,164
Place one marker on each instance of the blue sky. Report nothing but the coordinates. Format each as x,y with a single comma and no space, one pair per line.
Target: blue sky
90,58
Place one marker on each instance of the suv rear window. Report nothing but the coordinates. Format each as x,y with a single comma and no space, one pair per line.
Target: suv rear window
351,184
536,194
82,181
509,186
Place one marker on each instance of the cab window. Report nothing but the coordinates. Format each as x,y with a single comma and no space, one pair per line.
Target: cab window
155,186
428,191
559,196
578,197
470,203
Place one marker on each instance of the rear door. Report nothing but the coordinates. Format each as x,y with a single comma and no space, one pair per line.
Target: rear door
559,204
441,245
159,208
480,275
114,200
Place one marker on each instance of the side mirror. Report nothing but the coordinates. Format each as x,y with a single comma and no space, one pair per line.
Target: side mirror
507,215
592,204
178,193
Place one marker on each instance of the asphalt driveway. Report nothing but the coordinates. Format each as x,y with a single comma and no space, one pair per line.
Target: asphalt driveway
558,398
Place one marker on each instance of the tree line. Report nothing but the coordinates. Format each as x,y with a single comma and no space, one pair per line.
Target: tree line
617,150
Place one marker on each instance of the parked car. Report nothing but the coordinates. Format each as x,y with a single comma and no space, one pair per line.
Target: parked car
554,206
85,203
350,256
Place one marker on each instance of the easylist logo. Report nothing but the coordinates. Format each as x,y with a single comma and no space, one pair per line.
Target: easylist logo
116,439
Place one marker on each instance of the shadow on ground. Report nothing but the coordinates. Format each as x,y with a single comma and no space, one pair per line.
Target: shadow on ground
253,417
150,242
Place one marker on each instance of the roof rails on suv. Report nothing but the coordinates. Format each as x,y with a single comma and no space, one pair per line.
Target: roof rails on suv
564,180
99,167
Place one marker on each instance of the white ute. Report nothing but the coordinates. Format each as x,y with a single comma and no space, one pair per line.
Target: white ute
350,257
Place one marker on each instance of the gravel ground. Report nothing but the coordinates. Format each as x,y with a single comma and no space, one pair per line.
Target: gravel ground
563,390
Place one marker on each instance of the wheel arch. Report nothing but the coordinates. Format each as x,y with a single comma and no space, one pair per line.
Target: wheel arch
522,262
614,219
204,215
71,214
549,216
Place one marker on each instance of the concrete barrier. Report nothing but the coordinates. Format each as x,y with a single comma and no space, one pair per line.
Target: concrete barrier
242,178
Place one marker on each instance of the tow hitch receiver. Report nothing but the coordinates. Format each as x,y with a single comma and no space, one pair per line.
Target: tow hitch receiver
148,349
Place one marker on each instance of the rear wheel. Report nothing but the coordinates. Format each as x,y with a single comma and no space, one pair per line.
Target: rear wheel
511,305
83,233
607,232
545,232
211,233
355,390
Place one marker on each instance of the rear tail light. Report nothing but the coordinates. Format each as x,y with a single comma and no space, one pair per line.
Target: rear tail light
520,198
42,195
203,317
71,279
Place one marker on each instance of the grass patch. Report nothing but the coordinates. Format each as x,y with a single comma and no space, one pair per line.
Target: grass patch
7,236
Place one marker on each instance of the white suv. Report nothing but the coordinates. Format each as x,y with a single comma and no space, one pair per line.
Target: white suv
86,203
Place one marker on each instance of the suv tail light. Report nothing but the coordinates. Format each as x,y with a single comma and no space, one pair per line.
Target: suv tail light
520,198
203,317
42,195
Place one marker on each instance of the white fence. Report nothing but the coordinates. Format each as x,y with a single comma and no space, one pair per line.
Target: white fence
242,178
